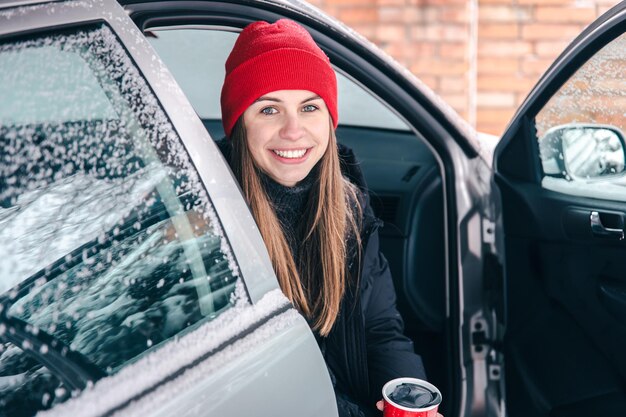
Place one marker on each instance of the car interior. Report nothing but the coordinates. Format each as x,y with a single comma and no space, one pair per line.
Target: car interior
401,171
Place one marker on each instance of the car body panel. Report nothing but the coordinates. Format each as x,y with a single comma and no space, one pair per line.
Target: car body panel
234,374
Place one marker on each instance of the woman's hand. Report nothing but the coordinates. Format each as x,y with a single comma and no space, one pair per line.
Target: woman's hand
380,403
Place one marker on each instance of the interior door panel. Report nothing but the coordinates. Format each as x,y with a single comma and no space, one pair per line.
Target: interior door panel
565,256
566,304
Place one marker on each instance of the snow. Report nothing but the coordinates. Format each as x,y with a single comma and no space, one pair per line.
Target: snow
183,351
47,223
109,180
141,123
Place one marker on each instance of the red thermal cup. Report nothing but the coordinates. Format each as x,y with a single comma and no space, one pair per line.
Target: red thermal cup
394,409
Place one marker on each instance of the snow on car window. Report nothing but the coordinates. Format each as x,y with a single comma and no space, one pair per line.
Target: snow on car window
71,92
592,100
25,384
109,242
168,373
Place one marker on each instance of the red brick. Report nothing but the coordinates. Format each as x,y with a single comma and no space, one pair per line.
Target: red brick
390,32
443,33
493,116
391,2
504,48
550,49
453,50
535,66
400,14
565,14
542,32
455,14
399,51
438,67
510,13
421,49
487,2
431,81
356,15
546,2
464,114
500,100
458,102
347,2
492,129
499,31
431,14
417,32
508,66
504,83
445,2
408,53
453,85
368,31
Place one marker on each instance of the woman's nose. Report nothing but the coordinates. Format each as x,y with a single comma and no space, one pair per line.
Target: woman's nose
292,127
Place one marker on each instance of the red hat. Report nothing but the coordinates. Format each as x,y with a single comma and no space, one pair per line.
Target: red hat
271,57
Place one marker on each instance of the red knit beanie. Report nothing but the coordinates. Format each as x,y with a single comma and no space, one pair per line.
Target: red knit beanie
271,57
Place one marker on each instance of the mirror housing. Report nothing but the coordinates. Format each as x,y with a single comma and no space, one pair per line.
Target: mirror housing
583,151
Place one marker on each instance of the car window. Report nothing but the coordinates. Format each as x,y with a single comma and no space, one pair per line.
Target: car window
109,242
581,130
27,386
196,58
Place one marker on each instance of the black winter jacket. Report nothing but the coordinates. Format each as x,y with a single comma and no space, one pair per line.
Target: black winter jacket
366,346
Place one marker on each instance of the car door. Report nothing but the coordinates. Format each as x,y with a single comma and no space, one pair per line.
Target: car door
560,173
426,178
133,279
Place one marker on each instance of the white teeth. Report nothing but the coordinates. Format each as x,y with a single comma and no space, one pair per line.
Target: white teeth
290,154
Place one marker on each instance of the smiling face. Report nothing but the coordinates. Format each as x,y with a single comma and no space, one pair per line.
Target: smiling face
288,132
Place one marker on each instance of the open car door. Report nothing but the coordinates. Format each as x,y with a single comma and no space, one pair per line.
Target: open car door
561,177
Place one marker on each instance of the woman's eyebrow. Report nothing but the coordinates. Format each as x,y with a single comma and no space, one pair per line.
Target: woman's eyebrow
267,98
315,97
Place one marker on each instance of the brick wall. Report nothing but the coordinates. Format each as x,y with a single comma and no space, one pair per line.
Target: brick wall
481,56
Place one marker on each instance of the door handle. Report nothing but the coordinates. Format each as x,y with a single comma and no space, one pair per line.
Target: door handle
599,230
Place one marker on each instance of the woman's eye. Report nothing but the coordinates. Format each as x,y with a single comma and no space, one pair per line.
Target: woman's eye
269,110
309,108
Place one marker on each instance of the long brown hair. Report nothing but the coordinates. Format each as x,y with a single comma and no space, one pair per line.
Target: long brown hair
334,215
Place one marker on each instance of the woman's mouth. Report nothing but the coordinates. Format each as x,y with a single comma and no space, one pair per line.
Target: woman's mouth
291,155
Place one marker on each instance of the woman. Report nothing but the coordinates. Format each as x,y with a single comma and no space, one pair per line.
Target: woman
307,194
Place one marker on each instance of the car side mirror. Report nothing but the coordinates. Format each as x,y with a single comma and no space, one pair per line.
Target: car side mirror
583,151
